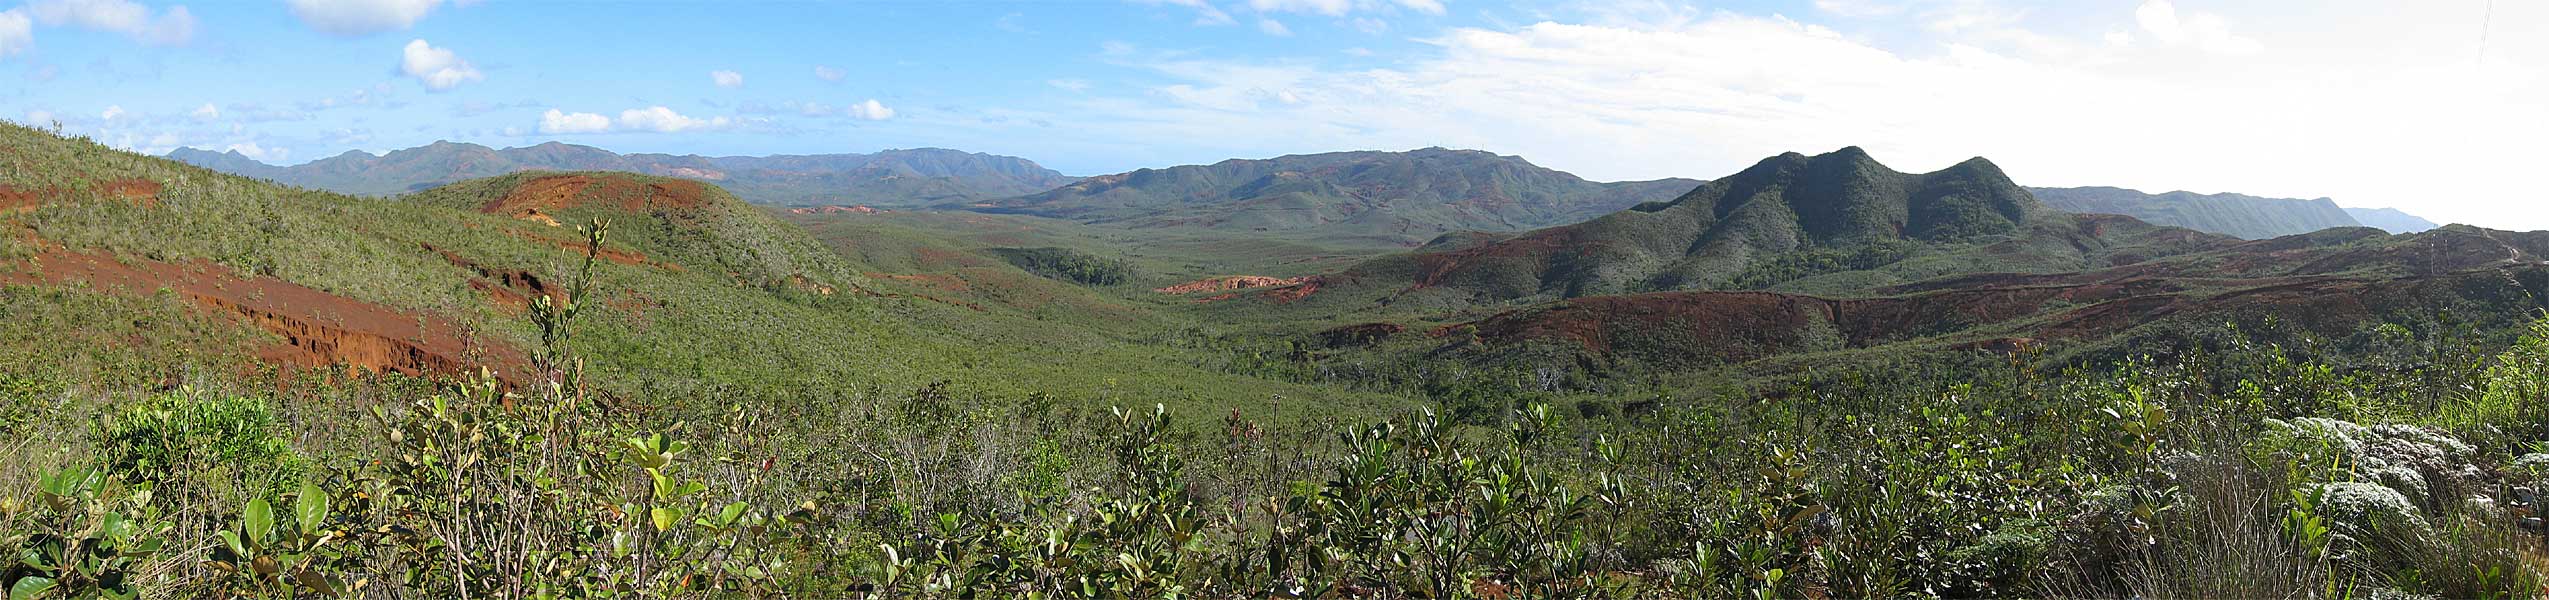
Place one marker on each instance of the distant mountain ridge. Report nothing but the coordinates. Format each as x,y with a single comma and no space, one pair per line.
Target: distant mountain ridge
2391,220
1402,197
1790,220
900,178
2236,215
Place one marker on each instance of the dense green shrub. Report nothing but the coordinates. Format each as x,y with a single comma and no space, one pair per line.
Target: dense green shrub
1069,265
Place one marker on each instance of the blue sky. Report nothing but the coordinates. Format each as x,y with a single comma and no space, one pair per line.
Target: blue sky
2434,106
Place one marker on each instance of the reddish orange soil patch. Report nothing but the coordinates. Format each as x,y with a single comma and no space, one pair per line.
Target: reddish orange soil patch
318,328
142,191
12,198
138,191
508,289
1230,283
539,199
1295,292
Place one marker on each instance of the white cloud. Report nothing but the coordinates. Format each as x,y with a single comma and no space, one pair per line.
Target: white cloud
111,113
2336,111
2202,30
657,119
565,122
1333,8
727,79
1274,28
17,32
438,68
1076,85
1859,9
870,110
1431,7
206,112
172,27
40,118
360,17
664,120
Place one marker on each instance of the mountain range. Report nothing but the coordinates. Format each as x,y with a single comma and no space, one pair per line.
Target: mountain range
1400,197
2236,215
1836,220
897,178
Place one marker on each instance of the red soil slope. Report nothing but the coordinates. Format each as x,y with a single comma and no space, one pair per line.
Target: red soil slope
539,199
318,328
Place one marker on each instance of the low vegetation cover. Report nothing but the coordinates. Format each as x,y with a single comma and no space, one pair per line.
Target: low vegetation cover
661,434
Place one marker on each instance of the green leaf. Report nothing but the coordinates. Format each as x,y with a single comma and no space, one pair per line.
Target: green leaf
258,520
310,508
30,587
665,516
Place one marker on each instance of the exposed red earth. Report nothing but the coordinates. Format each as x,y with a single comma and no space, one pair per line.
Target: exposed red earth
318,328
538,200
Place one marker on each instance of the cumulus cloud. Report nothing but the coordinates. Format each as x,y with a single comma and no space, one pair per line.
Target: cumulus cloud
2200,30
361,17
870,110
1274,28
657,119
726,79
206,112
167,28
17,32
664,120
555,121
111,113
438,68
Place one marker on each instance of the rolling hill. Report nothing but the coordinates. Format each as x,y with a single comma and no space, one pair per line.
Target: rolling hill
220,278
1837,221
2235,215
2390,219
1401,198
897,178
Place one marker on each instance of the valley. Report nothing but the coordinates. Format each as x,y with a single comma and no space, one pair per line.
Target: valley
1096,345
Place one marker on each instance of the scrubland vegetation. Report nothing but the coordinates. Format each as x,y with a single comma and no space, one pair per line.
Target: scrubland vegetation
656,441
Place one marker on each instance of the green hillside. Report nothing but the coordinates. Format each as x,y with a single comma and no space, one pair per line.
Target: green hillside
1831,223
917,177
1392,198
700,293
2235,215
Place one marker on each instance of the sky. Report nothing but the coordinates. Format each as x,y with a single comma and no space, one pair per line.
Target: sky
2438,107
